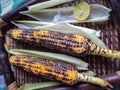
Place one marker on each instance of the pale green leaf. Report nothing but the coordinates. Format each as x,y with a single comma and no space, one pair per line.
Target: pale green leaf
66,14
41,85
51,56
29,23
89,73
46,4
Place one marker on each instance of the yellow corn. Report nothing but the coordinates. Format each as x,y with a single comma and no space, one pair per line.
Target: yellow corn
67,43
60,71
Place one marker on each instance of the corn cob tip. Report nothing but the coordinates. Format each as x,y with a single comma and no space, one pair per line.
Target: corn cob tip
9,32
14,33
109,86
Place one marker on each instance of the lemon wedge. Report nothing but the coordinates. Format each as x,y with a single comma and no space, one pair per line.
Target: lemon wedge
82,11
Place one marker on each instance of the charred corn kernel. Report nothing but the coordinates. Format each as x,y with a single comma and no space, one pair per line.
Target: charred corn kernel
60,71
67,43
55,40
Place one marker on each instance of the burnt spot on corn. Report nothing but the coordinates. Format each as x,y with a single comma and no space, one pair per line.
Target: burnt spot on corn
52,70
16,33
67,43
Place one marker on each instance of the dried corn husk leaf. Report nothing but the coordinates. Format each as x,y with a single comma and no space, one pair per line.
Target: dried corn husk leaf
46,4
30,23
34,86
23,24
67,28
98,13
89,73
54,56
50,56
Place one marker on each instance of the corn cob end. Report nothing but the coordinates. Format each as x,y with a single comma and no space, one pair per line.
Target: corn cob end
94,80
14,33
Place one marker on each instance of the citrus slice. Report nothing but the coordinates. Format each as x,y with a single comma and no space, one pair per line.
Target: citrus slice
82,11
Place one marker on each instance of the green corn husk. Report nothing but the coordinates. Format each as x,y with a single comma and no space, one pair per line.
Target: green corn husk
46,4
27,24
81,65
89,73
98,13
34,86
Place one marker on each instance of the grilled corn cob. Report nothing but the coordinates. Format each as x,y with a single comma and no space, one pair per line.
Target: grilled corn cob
60,71
67,43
